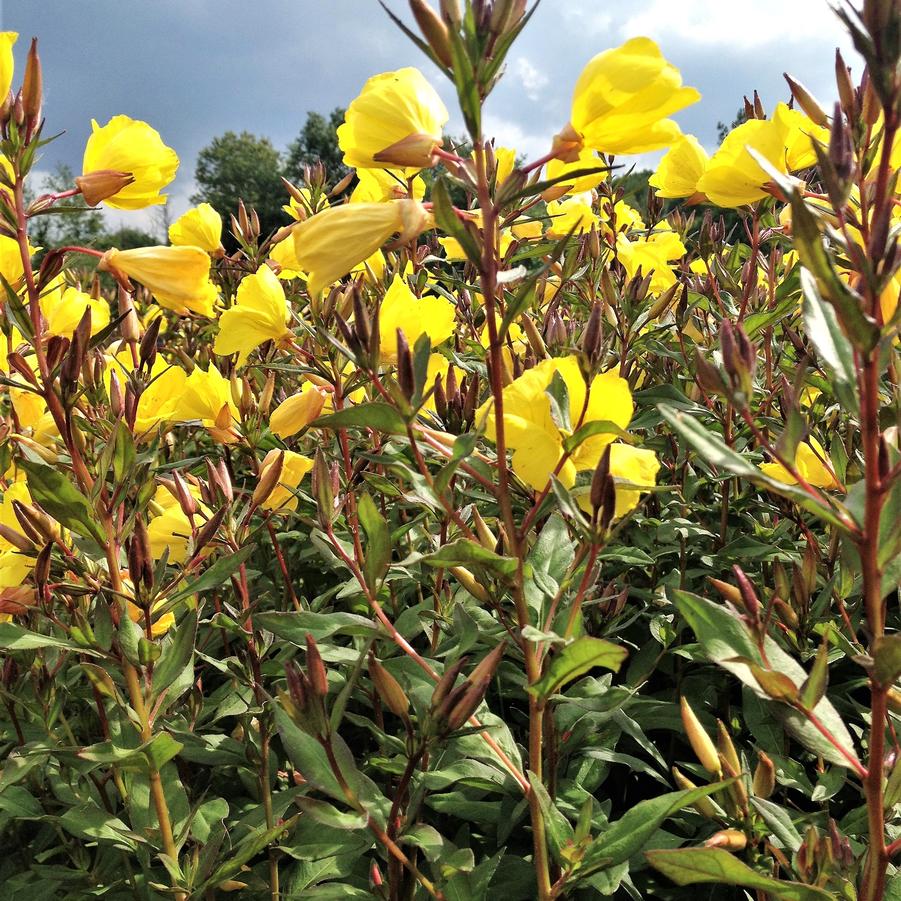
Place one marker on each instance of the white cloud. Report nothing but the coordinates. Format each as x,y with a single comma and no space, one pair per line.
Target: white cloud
530,76
738,26
508,133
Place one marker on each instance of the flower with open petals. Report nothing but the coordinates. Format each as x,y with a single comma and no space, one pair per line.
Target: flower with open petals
395,122
132,147
414,316
812,464
7,63
260,314
622,101
297,411
532,432
63,307
201,226
681,168
207,396
294,468
379,185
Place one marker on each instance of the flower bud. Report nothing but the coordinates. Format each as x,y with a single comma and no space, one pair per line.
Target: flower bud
729,839
270,473
433,30
704,749
703,806
388,688
97,186
764,782
316,668
32,89
805,100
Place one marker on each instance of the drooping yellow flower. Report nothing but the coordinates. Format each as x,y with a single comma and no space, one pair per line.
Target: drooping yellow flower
622,100
811,462
379,185
133,147
577,184
537,440
201,226
294,468
7,63
574,214
297,411
680,169
396,121
178,277
733,177
414,316
63,307
329,244
207,396
260,314
160,625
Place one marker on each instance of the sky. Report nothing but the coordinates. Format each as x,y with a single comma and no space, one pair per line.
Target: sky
197,68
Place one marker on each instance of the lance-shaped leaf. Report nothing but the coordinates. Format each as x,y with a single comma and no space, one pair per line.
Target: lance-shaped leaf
575,660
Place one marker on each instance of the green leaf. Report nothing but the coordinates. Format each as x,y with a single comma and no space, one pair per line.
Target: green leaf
329,815
293,627
779,821
628,835
726,641
814,686
14,637
558,829
713,450
449,222
575,660
214,576
58,495
378,544
91,822
691,866
598,427
464,552
887,659
177,653
558,395
378,416
834,348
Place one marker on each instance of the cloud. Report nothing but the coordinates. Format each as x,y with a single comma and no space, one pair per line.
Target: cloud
530,76
508,133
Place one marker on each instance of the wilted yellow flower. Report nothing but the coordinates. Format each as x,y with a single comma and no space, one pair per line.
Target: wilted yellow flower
133,147
7,63
178,277
201,226
379,185
680,169
586,159
414,316
329,244
574,214
396,121
537,440
811,462
64,306
207,396
294,468
260,314
297,411
621,102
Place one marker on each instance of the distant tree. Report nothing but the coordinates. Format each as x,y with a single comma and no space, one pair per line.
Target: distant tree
127,237
317,141
235,167
72,222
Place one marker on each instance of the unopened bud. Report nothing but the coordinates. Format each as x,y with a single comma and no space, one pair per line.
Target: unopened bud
433,30
101,184
316,668
703,806
388,688
764,782
700,742
728,839
32,88
805,100
270,474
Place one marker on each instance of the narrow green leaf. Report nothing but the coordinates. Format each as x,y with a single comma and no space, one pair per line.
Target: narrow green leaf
575,660
378,416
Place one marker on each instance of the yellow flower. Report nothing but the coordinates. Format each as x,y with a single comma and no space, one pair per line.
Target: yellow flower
11,266
619,218
621,101
285,258
379,185
159,626
574,213
528,229
14,568
294,468
131,146
200,227
171,528
297,411
207,396
504,163
799,152
329,244
395,121
17,491
811,462
260,314
64,306
635,466
680,169
586,159
537,440
650,256
178,277
733,177
7,63
414,316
